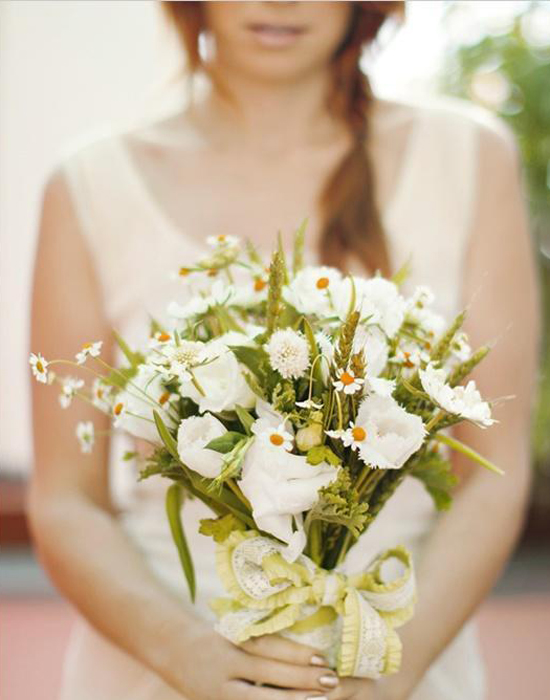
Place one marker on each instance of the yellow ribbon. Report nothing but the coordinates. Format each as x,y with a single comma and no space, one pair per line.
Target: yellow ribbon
353,618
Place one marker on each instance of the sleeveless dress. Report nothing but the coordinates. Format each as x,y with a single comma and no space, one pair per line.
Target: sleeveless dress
135,247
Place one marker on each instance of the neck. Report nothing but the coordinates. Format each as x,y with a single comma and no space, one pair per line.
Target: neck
268,115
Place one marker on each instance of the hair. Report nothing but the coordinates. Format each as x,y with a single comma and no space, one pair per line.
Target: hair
351,224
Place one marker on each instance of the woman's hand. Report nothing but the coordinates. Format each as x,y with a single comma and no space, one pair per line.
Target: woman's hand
266,668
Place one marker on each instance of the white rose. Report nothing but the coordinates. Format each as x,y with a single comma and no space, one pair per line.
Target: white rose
222,384
133,408
193,434
376,298
390,435
280,486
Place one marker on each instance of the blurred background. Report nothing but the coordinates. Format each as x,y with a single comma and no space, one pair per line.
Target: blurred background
71,70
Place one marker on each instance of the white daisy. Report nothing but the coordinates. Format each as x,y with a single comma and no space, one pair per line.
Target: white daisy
89,350
101,394
69,387
309,403
410,356
460,347
175,361
39,367
464,401
276,437
348,382
288,353
223,241
352,437
312,290
86,436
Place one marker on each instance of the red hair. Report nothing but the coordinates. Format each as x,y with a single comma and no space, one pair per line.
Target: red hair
351,222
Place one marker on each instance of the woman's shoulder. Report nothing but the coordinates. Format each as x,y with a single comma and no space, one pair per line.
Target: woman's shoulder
445,117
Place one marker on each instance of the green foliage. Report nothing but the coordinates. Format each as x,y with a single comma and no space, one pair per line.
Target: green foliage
298,252
226,442
277,274
173,511
322,453
220,528
339,504
344,348
435,473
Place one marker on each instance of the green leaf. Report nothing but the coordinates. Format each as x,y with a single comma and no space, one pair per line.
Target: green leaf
129,456
173,510
226,442
458,446
165,436
436,474
247,420
298,252
281,250
322,453
134,358
252,358
403,273
220,528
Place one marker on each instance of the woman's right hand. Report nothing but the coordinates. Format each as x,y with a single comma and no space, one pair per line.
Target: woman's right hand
265,668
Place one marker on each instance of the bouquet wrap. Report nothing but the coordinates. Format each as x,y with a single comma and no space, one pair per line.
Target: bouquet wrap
350,618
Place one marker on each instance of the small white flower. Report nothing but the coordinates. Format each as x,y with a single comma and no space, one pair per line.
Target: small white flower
353,437
460,347
175,360
464,401
372,341
421,297
348,382
223,241
309,403
39,367
193,434
377,300
382,387
159,339
89,350
86,436
410,356
101,394
288,353
69,387
276,437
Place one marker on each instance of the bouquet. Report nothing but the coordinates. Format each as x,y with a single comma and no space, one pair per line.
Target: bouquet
293,400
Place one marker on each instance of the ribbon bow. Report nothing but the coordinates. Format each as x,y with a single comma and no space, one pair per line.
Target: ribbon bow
352,619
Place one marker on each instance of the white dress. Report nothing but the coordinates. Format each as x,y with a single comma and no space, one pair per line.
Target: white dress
135,247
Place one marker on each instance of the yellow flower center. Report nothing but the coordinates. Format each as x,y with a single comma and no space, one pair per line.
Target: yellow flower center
358,433
276,439
346,378
86,346
184,271
221,238
39,366
212,273
163,337
322,283
99,393
259,284
117,410
164,398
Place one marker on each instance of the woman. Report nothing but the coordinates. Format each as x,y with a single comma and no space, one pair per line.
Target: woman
288,128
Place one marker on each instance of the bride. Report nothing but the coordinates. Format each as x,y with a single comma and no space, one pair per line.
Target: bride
288,128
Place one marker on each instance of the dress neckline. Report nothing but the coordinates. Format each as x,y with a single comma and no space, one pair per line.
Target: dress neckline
165,223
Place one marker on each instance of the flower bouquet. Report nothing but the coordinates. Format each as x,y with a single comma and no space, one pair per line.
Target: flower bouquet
293,401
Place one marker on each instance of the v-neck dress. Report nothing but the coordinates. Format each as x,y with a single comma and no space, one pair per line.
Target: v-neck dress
135,246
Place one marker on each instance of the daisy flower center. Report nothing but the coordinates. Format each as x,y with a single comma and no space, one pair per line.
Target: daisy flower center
221,239
322,283
358,433
276,439
259,285
346,378
184,271
39,366
185,356
117,410
164,398
163,337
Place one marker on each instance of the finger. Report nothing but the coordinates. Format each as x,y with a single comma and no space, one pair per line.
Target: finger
280,649
241,690
283,675
351,689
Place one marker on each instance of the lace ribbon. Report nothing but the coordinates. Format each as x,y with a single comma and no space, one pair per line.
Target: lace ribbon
352,619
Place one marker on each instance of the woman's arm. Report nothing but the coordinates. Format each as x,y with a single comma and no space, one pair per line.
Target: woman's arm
75,528
472,542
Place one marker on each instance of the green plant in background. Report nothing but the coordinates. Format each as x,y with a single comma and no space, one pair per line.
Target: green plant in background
506,69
